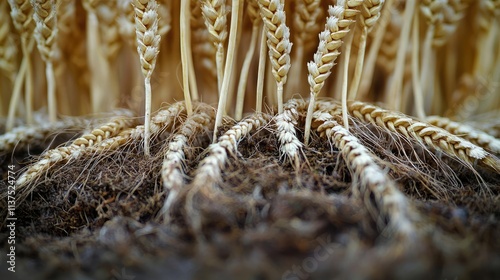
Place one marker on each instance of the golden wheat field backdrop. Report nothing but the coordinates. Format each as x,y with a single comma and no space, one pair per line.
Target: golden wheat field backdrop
256,139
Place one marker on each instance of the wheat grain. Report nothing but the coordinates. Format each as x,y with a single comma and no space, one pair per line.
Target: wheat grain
173,166
148,41
467,132
290,145
210,168
424,133
22,136
76,149
278,42
330,41
215,15
389,203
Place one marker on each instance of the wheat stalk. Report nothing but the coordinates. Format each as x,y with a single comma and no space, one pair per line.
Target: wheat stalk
424,133
330,41
389,202
173,166
278,42
253,12
22,16
394,96
148,42
228,69
369,15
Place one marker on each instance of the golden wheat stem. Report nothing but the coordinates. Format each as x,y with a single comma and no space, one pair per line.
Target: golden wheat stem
261,71
417,87
345,79
396,87
16,94
185,41
245,70
370,13
373,51
228,69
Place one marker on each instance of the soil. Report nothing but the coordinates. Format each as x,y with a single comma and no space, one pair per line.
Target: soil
97,218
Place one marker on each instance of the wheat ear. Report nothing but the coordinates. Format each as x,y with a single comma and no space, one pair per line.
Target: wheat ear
434,137
173,166
162,121
76,149
286,122
389,203
45,17
21,137
475,136
148,47
330,41
253,13
215,15
278,42
370,13
305,26
21,13
210,168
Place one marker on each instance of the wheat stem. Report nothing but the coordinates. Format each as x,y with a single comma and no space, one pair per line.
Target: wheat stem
245,70
417,87
397,83
261,71
228,70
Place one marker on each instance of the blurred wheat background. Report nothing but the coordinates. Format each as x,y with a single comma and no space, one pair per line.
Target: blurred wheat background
401,99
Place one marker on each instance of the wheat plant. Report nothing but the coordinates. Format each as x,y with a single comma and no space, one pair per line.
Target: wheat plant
199,124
